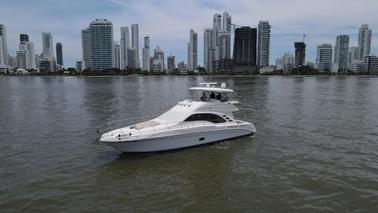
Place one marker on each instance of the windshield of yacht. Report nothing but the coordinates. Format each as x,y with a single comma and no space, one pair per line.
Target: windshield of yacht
209,96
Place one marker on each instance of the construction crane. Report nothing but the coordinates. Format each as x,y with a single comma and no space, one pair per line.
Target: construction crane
304,37
234,26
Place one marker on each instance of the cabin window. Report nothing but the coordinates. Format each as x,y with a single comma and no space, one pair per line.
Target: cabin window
206,117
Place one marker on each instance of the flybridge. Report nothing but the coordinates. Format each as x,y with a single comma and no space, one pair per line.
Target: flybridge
211,87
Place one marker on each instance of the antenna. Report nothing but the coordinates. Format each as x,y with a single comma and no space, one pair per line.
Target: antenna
304,37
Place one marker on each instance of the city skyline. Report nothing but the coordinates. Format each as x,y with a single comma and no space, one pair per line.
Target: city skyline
171,34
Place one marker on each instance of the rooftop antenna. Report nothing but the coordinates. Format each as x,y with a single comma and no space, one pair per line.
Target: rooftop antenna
304,37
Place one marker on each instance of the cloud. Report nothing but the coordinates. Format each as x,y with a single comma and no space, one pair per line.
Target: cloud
168,21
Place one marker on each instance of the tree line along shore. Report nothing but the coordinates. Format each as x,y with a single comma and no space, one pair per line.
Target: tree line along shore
304,70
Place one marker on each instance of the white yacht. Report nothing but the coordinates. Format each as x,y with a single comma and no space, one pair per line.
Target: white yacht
190,123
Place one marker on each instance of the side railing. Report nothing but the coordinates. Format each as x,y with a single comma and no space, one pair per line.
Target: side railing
174,126
136,133
119,123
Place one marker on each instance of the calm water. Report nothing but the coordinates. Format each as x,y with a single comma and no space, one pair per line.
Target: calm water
316,148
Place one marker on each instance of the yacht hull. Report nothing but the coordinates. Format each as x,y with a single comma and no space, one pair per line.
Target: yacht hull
178,141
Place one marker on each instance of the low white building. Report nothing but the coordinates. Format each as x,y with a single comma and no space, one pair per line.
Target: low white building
267,69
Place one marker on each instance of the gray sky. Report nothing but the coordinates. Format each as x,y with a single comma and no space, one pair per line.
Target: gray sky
168,22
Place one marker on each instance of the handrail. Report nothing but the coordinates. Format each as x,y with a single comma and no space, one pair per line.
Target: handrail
162,127
119,123
172,125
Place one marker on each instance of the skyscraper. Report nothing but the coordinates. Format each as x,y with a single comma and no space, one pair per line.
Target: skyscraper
210,38
182,68
226,24
32,62
364,41
135,42
352,56
86,48
217,46
171,63
300,53
3,67
22,57
4,45
124,46
59,53
25,56
146,54
244,56
223,48
192,50
371,64
217,21
158,61
116,56
101,43
324,57
341,51
263,43
47,46
47,63
131,54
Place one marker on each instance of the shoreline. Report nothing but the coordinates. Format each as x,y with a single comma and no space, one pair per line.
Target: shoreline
167,75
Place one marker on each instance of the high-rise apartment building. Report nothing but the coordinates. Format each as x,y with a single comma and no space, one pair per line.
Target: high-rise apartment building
47,46
23,59
352,56
171,63
59,53
210,41
192,50
4,46
222,26
217,21
341,52
226,24
372,64
324,57
217,43
3,67
124,46
116,56
135,42
244,56
131,60
158,60
48,59
146,54
263,43
86,48
224,38
101,43
364,41
25,56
